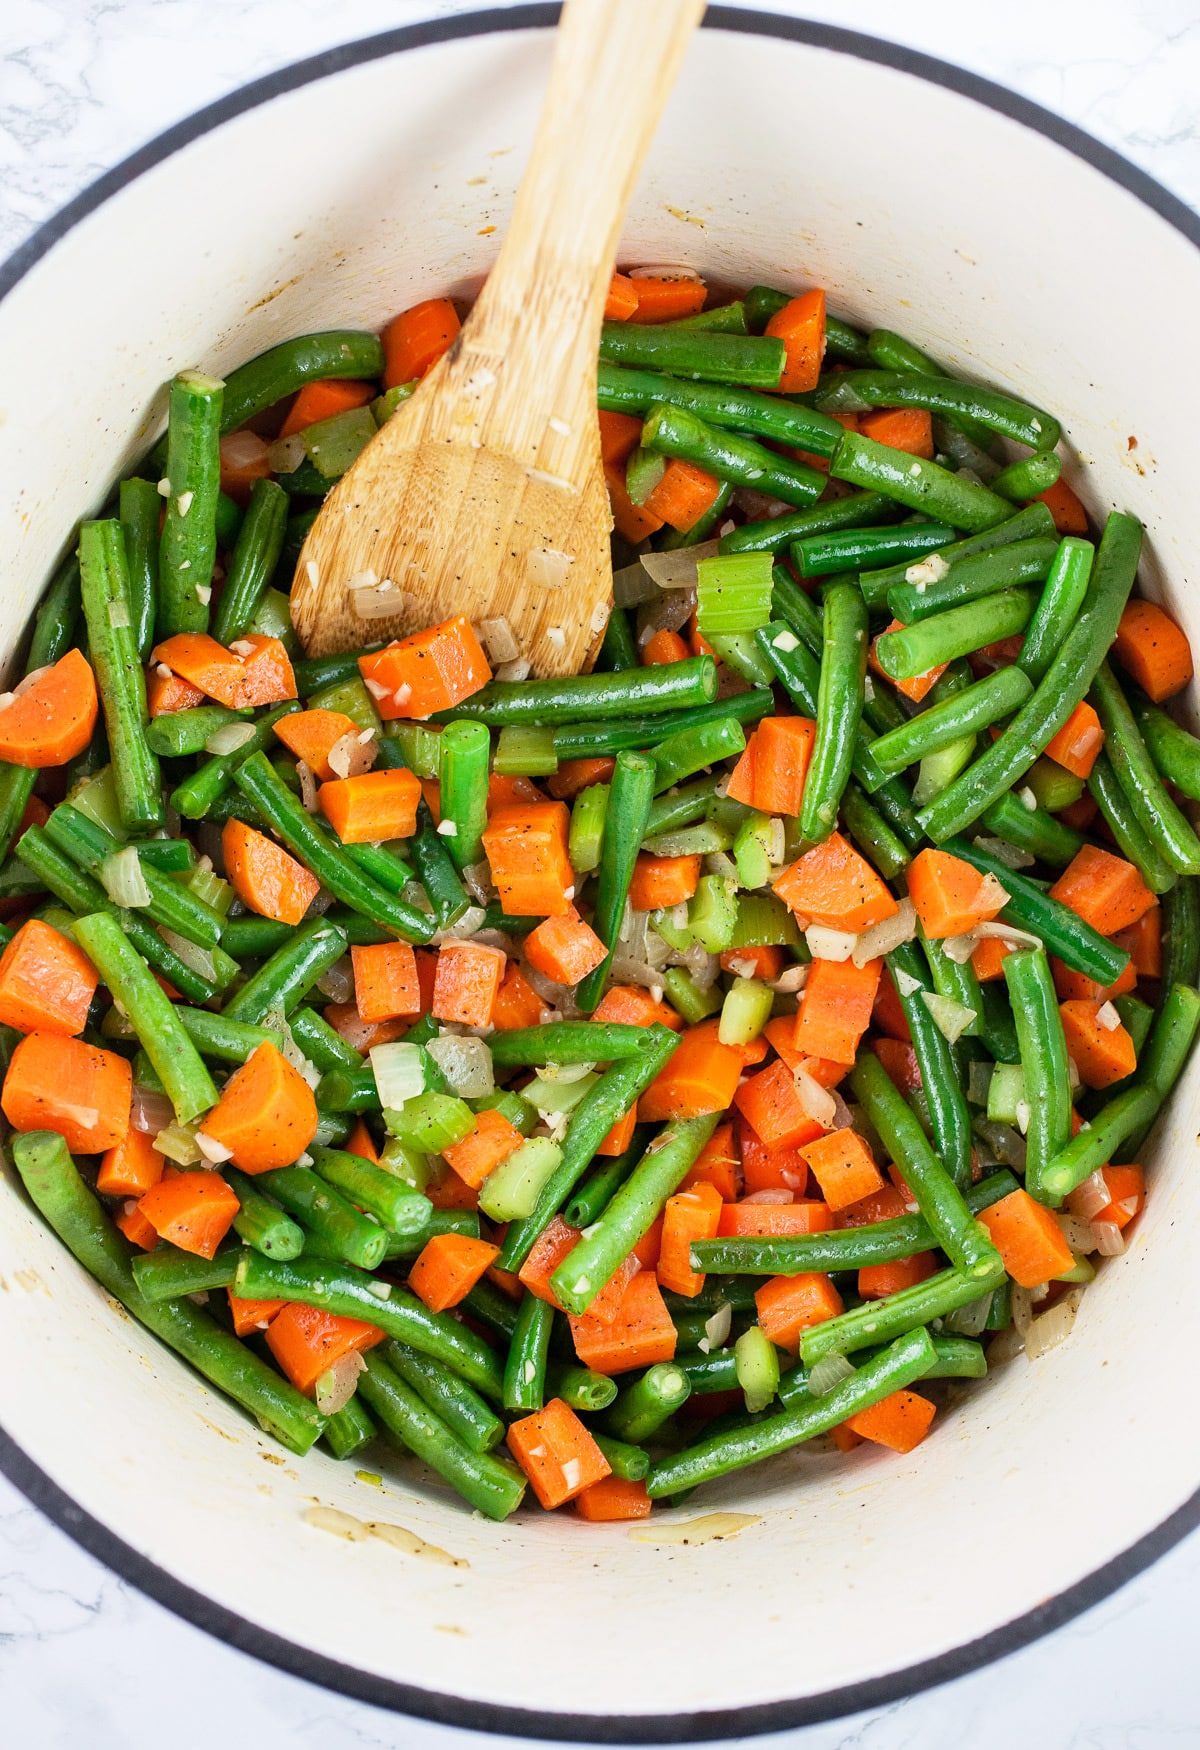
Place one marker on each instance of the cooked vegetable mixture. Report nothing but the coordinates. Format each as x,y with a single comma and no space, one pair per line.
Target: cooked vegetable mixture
603,1084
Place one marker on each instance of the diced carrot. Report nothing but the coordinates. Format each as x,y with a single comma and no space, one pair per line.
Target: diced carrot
900,1421
633,521
61,1084
324,399
844,1437
245,458
887,1013
835,1008
266,1114
564,949
789,1305
1070,518
52,717
257,673
416,339
716,1164
662,298
1152,648
448,1268
763,961
950,895
987,959
1127,1191
620,1135
774,1220
194,1211
641,1333
902,428
1070,984
1104,890
770,1103
312,735
622,300
265,878
877,1281
661,882
633,1006
883,1205
492,1141
919,684
573,776
663,646
767,1168
468,977
306,1342
753,1051
900,1062
1101,1054
782,752
834,886
1143,943
360,1142
362,1035
372,806
131,1167
526,848
690,1215
267,676
428,671
556,1239
701,1076
682,496
697,643
613,1499
449,1191
167,692
557,1454
517,1004
844,1168
251,1316
1028,1238
46,982
385,981
507,792
740,787
135,1227
1078,741
801,326
431,790
620,435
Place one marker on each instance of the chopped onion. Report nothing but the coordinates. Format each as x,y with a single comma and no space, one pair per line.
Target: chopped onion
719,863
632,586
626,969
776,1194
192,954
477,879
827,944
1051,1328
760,506
241,450
1010,855
337,981
118,613
790,980
564,1072
150,1111
292,1054
1090,1197
991,894
1022,1309
286,454
380,601
1079,1234
677,570
466,1065
702,966
517,670
1110,1241
211,1149
929,570
1107,1017
336,1386
399,1073
1002,932
664,273
828,1373
665,612
350,755
951,1019
717,1328
816,1102
308,786
960,948
882,938
498,639
123,880
906,984
468,925
229,738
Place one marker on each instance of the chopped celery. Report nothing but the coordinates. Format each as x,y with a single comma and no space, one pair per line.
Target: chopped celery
525,752
548,1094
386,404
333,445
1053,785
693,1003
97,798
207,886
643,471
745,1011
1082,1270
1006,1091
756,1362
405,1163
733,593
519,1112
712,912
510,1192
273,619
690,841
431,1122
587,828
675,934
420,747
758,845
763,921
352,699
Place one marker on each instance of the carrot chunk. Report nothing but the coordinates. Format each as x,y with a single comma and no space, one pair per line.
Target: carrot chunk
306,1342
620,435
701,1076
622,300
167,692
448,1268
517,1004
250,1316
556,1239
46,982
1069,984
360,1142
1101,1054
621,1134
467,979
663,646
667,298
631,520
386,984
1153,649
1143,943
135,1227
130,1167
1028,1238
782,752
772,1220
987,959
902,428
564,948
265,878
789,1305
312,735
612,1499
266,1114
428,671
1064,506
951,896
633,1005
918,685
526,848
900,1061
61,1084
325,399
258,672
832,885
372,806
835,1008
690,1215
801,326
1078,741
1104,890
557,1454
194,1211
573,776
683,495
641,1333
245,458
416,339
51,717
492,1141
844,1168
661,882
767,1168
877,1281
770,1103
900,1421
1126,1187
717,1165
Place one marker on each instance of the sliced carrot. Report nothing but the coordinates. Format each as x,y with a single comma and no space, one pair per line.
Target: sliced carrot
835,1008
416,339
697,643
61,1084
468,977
844,1168
950,895
1143,943
620,1135
526,848
1028,1238
717,1165
573,776
1152,648
360,1142
385,981
167,692
1070,518
740,787
517,1004
633,521
770,1103
883,1205
264,877
252,1316
372,806
1104,890
801,326
362,1035
782,752
131,1167
987,959
683,495
887,1014
690,1215
556,1239
613,1499
194,1211
564,948
258,672
767,1168
663,646
834,886
902,428
790,1305
448,1268
633,1005
844,1437
919,684
325,399
1078,741
1102,1055
641,1333
900,1062
877,1281
1126,1189
661,882
492,1141
622,300
46,982
900,1421
773,1220
662,298
267,676
51,717
620,435
266,1114
428,671
762,961
245,458
701,1076
306,1342
312,735
449,1191
505,792
557,1454
135,1227
1070,985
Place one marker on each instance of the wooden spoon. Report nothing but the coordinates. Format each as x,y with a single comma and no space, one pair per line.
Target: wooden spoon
484,493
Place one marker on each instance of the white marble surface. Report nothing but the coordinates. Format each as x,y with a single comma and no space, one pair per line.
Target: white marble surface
84,1659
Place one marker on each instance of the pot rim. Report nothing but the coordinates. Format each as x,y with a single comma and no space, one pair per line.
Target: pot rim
286,1655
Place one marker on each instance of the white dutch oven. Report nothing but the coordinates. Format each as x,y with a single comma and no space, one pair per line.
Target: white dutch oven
336,194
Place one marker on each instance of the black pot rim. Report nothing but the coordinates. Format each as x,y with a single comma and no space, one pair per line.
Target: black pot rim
364,1686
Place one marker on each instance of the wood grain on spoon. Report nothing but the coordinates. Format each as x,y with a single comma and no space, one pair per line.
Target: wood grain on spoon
484,493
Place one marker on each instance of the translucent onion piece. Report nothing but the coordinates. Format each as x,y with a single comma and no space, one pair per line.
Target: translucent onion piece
498,639
229,738
906,984
466,1065
336,1386
665,612
1051,1328
1110,1241
1010,855
677,570
123,879
211,1149
399,1072
308,786
827,944
286,454
632,586
816,1102
828,1373
1093,1195
1080,1235
337,981
884,937
192,954
350,754
776,1194
950,1018
150,1111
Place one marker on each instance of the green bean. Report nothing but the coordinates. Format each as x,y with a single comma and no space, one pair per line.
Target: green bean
56,621
716,1455
464,774
964,713
585,1269
914,650
692,750
349,1293
799,673
391,872
72,1211
890,351
447,896
1032,830
16,787
166,1273
484,1482
1034,522
283,980
957,981
1119,1118
1043,1050
489,1304
260,1223
948,1115
343,1089
120,679
1173,750
672,431
883,848
860,510
467,1415
349,1429
865,549
1162,821
194,798
839,710
630,795
1181,933
995,412
283,369
881,1321
969,580
954,1358
722,318
917,483
756,363
333,1226
188,543
255,557
1127,829
579,741
140,506
566,1042
525,1369
667,686
180,733
1062,687
1170,1039
617,650
321,1044
1062,932
1028,477
741,410
580,1388
681,807
596,1193
642,1406
706,1374
171,905
258,780
402,1210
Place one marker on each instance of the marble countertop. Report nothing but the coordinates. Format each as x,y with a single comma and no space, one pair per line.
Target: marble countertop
85,1659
